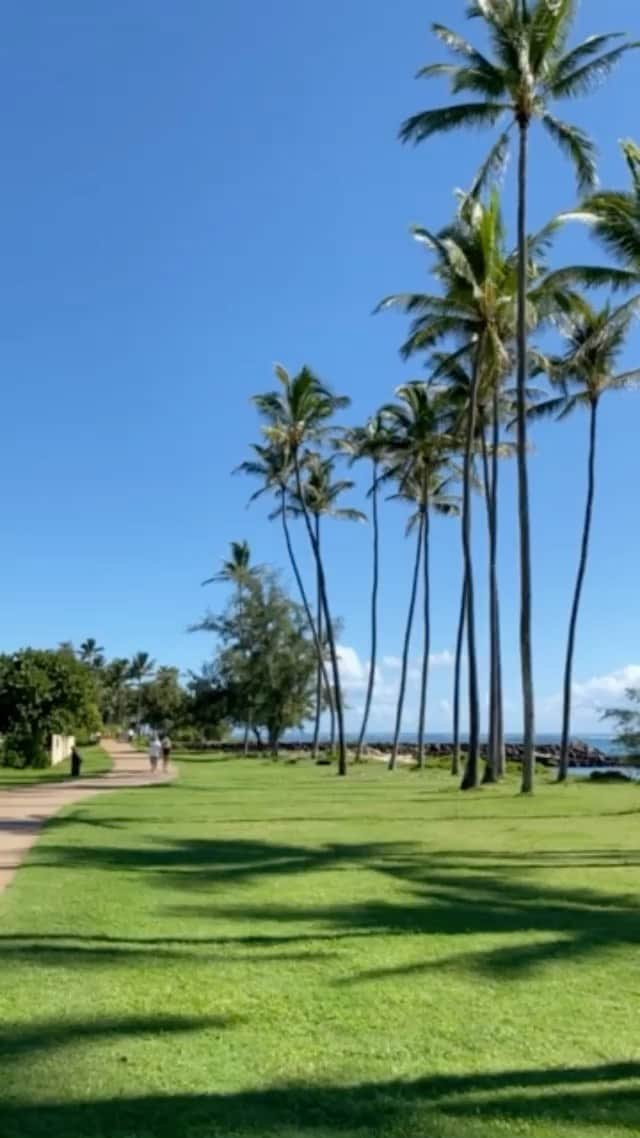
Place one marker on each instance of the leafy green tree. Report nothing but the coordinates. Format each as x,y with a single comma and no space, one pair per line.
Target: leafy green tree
141,668
264,651
164,700
529,70
369,443
586,371
627,720
43,693
114,691
296,416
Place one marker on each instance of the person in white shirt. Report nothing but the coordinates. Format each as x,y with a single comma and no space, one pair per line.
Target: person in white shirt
155,751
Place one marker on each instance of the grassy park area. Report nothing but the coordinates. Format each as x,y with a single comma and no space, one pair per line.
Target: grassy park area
263,949
94,761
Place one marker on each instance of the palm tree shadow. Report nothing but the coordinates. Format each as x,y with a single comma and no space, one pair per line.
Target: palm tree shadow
607,1094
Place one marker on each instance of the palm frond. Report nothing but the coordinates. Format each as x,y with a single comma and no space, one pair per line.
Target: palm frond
573,59
443,119
494,164
625,381
590,75
577,145
592,276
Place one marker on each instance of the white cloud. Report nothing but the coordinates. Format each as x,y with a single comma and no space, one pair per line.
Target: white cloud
393,662
592,696
444,659
354,674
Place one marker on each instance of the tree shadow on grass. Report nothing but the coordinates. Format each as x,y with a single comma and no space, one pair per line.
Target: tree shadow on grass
451,1106
19,1042
445,893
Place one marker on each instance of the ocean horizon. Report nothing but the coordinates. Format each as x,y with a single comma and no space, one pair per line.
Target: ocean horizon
600,742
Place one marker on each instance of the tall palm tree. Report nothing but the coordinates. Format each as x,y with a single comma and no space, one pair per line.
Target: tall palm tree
115,680
371,443
475,310
297,415
237,569
416,451
530,69
586,371
272,464
239,572
322,493
475,315
141,668
91,653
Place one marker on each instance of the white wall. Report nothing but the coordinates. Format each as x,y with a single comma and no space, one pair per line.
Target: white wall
61,748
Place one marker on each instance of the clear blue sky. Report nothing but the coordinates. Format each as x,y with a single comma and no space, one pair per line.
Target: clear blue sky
191,192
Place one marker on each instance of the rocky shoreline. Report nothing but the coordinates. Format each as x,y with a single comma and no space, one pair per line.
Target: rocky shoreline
548,754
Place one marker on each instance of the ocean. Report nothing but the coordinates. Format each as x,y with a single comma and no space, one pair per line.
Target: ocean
602,743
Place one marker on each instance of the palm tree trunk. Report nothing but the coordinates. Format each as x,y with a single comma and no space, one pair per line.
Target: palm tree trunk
245,739
497,638
427,639
584,552
406,647
301,589
492,764
374,611
316,726
526,658
333,654
455,758
470,776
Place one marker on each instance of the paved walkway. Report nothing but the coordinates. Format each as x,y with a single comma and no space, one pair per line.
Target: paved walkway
24,811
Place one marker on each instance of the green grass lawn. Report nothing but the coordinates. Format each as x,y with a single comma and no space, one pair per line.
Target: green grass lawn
94,761
264,949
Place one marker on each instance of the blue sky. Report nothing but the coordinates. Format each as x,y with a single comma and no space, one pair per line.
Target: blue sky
192,192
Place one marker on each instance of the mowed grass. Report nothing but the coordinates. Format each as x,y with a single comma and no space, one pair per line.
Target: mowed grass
263,949
94,761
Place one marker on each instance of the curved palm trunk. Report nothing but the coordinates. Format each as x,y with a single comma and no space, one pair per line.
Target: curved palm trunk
374,612
322,583
455,758
406,647
526,657
316,726
301,589
470,776
584,552
427,639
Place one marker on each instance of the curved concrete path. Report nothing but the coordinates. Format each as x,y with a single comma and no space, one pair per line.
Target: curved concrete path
24,811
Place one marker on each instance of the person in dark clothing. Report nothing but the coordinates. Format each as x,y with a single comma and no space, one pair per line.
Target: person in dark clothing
76,763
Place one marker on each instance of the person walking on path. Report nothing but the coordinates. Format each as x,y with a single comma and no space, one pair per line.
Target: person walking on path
166,752
155,751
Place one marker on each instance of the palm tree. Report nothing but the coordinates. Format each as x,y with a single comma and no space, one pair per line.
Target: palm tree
238,571
615,218
141,668
116,675
297,414
237,568
476,313
321,495
272,464
530,70
91,653
369,442
416,450
586,371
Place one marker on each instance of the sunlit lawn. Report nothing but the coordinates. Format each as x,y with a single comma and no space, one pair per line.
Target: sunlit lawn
267,950
94,761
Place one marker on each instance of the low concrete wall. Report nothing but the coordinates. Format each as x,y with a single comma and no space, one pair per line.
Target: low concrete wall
61,748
